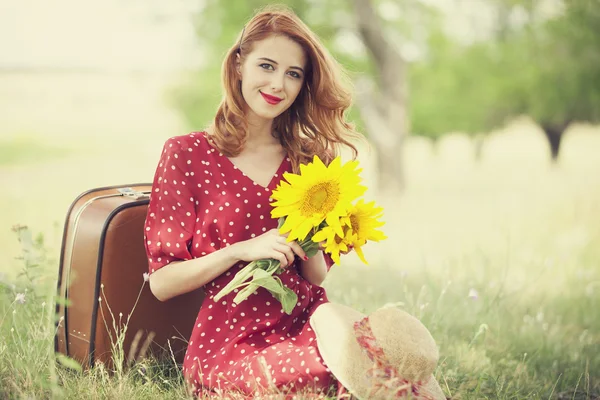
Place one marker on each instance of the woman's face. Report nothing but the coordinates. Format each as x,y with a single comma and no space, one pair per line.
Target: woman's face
272,75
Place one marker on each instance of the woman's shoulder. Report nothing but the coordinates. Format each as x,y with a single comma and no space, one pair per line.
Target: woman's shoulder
186,143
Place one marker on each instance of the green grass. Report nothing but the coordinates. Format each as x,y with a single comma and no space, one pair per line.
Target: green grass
28,150
500,260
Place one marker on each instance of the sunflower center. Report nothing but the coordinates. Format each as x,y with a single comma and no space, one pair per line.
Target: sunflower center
321,198
354,223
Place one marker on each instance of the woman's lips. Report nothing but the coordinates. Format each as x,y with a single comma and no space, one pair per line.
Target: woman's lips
270,99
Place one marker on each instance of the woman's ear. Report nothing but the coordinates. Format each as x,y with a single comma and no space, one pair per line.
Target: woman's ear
238,64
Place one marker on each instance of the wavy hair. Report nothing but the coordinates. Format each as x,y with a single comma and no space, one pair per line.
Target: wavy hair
315,123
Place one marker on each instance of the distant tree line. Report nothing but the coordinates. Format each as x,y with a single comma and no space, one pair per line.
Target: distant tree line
545,67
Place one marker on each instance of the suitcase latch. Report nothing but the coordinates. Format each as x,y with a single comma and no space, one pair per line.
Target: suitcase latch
134,194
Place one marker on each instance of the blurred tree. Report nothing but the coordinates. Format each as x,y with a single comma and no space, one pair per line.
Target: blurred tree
463,87
546,67
558,81
351,34
458,89
383,109
383,101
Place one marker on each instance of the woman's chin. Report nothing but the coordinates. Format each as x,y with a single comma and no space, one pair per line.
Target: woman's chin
267,114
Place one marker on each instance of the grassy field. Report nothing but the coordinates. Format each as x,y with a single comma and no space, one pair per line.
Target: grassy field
499,259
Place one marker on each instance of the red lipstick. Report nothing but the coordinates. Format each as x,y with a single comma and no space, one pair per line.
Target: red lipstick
270,99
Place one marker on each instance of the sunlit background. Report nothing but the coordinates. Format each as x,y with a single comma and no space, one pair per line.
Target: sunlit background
475,206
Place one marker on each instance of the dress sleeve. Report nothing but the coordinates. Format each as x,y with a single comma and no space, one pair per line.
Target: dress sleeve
169,224
328,261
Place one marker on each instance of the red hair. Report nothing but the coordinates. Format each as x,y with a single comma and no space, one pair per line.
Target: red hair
315,123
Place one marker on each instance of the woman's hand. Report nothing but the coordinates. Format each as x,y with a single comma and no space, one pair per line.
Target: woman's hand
270,244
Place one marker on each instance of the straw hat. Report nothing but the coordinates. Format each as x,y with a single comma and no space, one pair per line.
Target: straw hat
385,355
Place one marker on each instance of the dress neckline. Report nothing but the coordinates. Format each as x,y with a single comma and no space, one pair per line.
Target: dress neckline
273,179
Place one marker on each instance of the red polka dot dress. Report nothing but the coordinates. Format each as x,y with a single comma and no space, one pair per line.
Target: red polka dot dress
201,202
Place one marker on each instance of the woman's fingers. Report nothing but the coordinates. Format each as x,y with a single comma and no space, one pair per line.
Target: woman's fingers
296,248
279,256
286,251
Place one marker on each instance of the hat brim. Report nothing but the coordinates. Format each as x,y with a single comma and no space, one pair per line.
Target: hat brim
333,325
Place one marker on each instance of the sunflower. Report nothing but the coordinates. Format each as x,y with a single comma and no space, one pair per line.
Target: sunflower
334,244
319,193
358,226
362,220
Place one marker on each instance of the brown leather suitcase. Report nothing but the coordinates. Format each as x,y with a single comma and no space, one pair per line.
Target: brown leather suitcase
103,256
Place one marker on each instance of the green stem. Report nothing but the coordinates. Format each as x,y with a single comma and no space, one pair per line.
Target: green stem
239,279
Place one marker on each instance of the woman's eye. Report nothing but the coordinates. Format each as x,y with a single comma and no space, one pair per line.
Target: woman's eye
295,74
266,66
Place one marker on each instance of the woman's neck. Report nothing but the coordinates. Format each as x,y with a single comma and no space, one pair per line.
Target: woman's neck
260,132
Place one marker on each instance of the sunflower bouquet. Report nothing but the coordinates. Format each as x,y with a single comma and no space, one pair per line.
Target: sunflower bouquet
315,208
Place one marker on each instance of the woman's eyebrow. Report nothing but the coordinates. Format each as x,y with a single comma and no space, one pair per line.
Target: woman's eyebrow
276,63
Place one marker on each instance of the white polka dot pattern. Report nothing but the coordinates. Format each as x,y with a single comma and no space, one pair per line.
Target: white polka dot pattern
201,202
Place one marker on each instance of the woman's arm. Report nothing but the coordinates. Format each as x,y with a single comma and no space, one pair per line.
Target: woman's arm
314,269
181,277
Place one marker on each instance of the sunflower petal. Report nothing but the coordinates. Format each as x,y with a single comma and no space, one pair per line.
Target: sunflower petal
360,254
320,236
334,223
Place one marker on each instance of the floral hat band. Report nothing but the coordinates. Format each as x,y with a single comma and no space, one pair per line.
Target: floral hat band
383,374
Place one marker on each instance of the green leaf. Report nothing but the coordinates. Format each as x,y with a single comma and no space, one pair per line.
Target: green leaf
280,222
266,280
264,264
286,296
311,248
273,267
239,280
260,278
288,299
245,293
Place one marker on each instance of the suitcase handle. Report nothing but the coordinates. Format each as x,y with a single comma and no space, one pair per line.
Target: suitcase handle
135,194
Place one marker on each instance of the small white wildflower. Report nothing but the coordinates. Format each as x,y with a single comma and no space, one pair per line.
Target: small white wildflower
120,314
20,298
99,299
473,294
146,276
43,304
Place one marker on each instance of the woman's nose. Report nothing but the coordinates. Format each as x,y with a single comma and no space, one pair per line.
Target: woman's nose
277,82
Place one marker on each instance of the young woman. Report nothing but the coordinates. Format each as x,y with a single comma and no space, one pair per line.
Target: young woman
209,213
